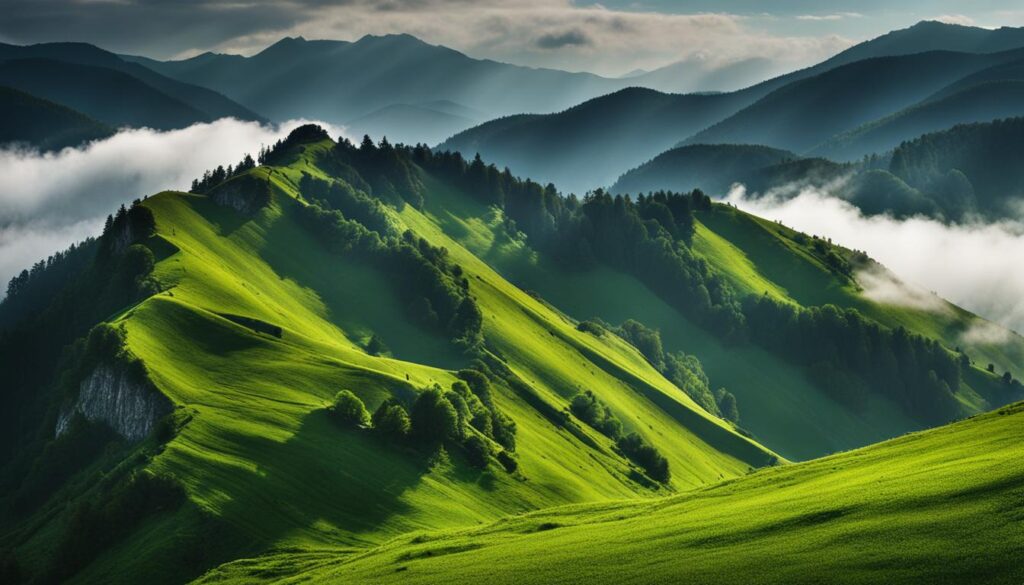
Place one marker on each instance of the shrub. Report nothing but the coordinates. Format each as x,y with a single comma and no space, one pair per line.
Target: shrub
391,420
478,452
376,346
727,405
433,416
507,461
348,410
646,456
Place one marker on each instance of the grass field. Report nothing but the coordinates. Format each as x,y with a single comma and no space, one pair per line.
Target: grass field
940,506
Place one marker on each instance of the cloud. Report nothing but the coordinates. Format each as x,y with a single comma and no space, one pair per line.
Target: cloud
548,33
829,17
884,288
955,19
975,265
985,333
569,38
52,200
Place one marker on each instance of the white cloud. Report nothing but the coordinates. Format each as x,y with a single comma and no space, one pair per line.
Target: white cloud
522,32
955,19
52,200
829,17
975,265
883,287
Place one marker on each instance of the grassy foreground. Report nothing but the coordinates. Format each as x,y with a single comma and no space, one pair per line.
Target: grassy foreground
940,506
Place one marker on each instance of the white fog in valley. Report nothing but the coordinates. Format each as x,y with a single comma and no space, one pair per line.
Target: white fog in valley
973,264
51,200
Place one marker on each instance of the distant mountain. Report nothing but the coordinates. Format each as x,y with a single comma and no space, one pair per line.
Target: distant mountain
808,112
341,81
209,104
591,144
107,95
44,124
796,111
712,168
412,123
979,103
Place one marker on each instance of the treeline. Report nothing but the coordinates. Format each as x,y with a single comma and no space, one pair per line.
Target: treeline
589,409
464,416
848,356
970,167
212,178
649,238
685,371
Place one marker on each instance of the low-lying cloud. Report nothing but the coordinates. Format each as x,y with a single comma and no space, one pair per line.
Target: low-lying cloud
51,200
974,265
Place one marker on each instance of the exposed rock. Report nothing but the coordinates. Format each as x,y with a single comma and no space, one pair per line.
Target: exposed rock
113,396
245,194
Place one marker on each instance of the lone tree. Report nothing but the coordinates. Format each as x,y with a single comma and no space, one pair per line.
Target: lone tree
478,452
391,420
349,410
433,416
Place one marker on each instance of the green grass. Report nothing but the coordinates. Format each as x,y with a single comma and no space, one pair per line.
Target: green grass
940,506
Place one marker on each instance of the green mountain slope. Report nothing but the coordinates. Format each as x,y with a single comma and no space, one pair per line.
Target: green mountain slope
214,330
938,506
44,124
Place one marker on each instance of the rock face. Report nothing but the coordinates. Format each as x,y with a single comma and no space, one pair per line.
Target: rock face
111,396
245,194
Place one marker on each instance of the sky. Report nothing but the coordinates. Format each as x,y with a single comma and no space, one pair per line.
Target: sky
610,38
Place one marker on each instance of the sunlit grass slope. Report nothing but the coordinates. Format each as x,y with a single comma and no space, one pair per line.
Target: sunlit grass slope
777,401
940,506
258,451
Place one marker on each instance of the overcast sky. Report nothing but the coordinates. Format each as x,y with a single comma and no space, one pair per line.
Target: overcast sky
611,37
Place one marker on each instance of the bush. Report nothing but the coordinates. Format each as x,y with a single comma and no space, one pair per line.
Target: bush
433,417
590,410
727,405
391,420
646,456
507,461
349,410
478,452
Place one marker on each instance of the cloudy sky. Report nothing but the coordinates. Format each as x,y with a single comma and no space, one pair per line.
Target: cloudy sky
611,37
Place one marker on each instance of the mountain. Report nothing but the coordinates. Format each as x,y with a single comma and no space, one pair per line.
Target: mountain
431,122
796,111
331,80
591,144
913,505
808,112
712,168
978,103
44,124
189,388
169,102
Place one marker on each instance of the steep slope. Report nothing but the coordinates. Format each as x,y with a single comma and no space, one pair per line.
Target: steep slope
710,167
805,113
44,124
211,103
254,324
938,506
589,145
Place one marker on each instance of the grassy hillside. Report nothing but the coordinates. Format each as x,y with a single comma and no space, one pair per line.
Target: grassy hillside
44,124
256,453
938,506
251,303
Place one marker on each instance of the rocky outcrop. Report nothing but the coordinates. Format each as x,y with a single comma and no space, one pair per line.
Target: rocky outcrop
114,396
245,194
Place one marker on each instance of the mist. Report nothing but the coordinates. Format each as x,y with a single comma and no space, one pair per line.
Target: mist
51,200
972,264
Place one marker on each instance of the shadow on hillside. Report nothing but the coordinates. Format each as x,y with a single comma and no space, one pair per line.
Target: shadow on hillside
360,299
224,219
334,484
